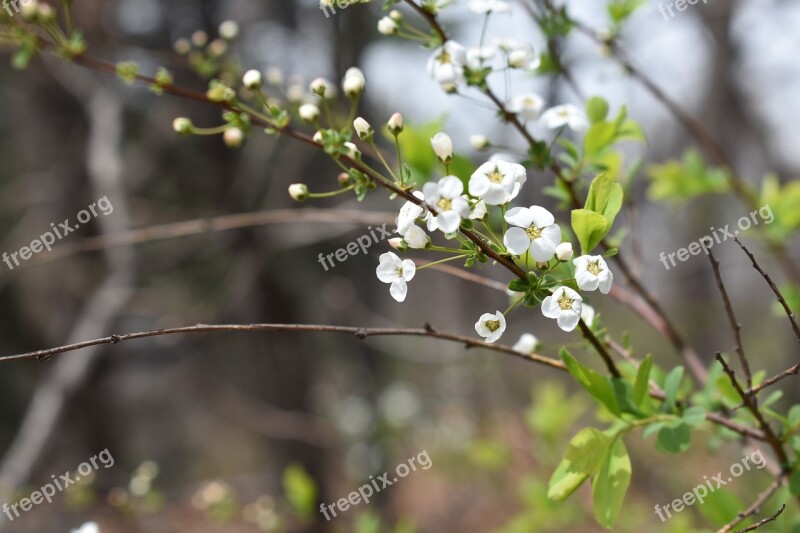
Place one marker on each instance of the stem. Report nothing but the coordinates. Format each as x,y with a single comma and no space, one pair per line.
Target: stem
440,261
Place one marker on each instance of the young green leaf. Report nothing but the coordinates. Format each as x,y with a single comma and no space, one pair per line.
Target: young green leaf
583,457
596,385
589,227
611,483
641,387
671,386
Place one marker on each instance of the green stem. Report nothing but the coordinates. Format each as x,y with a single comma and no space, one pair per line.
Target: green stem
331,193
383,160
399,159
445,260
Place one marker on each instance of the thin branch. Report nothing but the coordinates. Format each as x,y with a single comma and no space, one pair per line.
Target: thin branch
601,349
755,508
735,325
769,434
430,18
774,288
793,371
764,521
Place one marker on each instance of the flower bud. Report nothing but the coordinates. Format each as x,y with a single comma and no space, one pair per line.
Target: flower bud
479,142
344,179
45,13
233,137
199,38
321,87
182,125
252,79
416,238
295,92
443,146
396,124
298,192
182,46
309,113
387,26
228,30
29,9
396,16
318,138
363,129
564,251
398,244
354,82
352,151
217,48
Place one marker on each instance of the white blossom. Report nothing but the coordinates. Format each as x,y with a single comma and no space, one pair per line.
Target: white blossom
298,191
564,305
363,128
323,88
479,142
526,344
396,123
446,65
308,112
352,151
522,56
354,82
482,7
491,326
88,527
182,125
443,146
445,197
252,79
497,182
591,273
396,272
387,26
233,137
477,57
228,30
409,213
565,115
534,231
564,251
527,105
416,238
479,211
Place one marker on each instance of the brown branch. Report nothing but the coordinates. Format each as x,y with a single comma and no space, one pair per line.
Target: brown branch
793,371
735,325
601,349
769,434
764,521
756,506
774,288
430,18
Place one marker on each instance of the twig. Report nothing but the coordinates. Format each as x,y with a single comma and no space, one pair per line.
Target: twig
764,521
774,288
755,507
793,371
735,325
431,18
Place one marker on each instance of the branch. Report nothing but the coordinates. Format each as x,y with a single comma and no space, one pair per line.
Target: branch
735,326
755,507
793,371
431,18
765,521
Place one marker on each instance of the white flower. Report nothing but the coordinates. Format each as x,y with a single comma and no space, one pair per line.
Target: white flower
563,305
323,88
252,79
526,344
233,137
479,142
564,251
354,82
535,231
527,105
565,115
491,326
308,112
318,138
477,57
298,191
88,527
445,197
446,64
396,123
387,26
228,30
392,270
497,182
408,214
363,128
587,314
591,273
352,151
182,125
479,211
482,7
523,56
443,146
416,237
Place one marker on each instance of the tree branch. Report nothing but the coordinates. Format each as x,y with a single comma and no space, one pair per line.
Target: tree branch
755,508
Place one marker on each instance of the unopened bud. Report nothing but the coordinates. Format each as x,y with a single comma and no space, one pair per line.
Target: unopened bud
233,137
298,191
396,123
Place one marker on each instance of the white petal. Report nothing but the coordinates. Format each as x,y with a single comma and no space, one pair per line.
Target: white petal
541,217
606,280
552,233
449,221
571,294
526,344
450,187
496,195
587,314
461,206
416,238
519,216
587,281
479,184
517,241
431,193
542,249
386,272
550,307
399,289
568,320
409,269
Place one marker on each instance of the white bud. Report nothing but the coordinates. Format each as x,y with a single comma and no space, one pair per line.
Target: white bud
354,82
298,191
443,146
199,38
228,30
352,151
320,87
397,243
309,113
363,129
416,238
387,26
564,251
29,9
526,344
396,123
45,13
233,137
182,46
182,125
479,142
252,79
396,16
274,76
318,137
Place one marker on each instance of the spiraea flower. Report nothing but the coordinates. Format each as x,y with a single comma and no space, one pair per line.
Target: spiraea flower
482,7
564,251
354,82
416,238
479,142
523,56
591,273
409,213
497,182
478,57
446,65
527,105
587,314
309,113
535,231
565,115
445,197
526,344
363,129
387,26
298,192
396,272
252,79
233,137
443,147
491,326
396,124
565,306
479,211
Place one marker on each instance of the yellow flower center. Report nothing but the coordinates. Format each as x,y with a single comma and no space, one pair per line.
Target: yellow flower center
444,204
493,325
594,268
495,176
565,302
534,232
399,271
444,58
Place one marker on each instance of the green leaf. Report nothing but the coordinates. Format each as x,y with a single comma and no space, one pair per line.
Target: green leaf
683,180
589,227
694,416
301,490
671,385
794,483
596,385
611,483
674,438
641,387
605,197
585,453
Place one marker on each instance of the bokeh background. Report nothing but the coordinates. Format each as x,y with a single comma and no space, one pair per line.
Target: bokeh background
232,432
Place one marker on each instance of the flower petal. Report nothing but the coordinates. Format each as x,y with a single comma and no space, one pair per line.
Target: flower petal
606,280
479,184
550,307
541,217
520,217
448,221
568,320
542,249
409,269
587,281
450,187
399,289
517,241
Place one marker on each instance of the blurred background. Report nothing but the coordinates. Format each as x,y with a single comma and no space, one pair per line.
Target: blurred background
251,431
